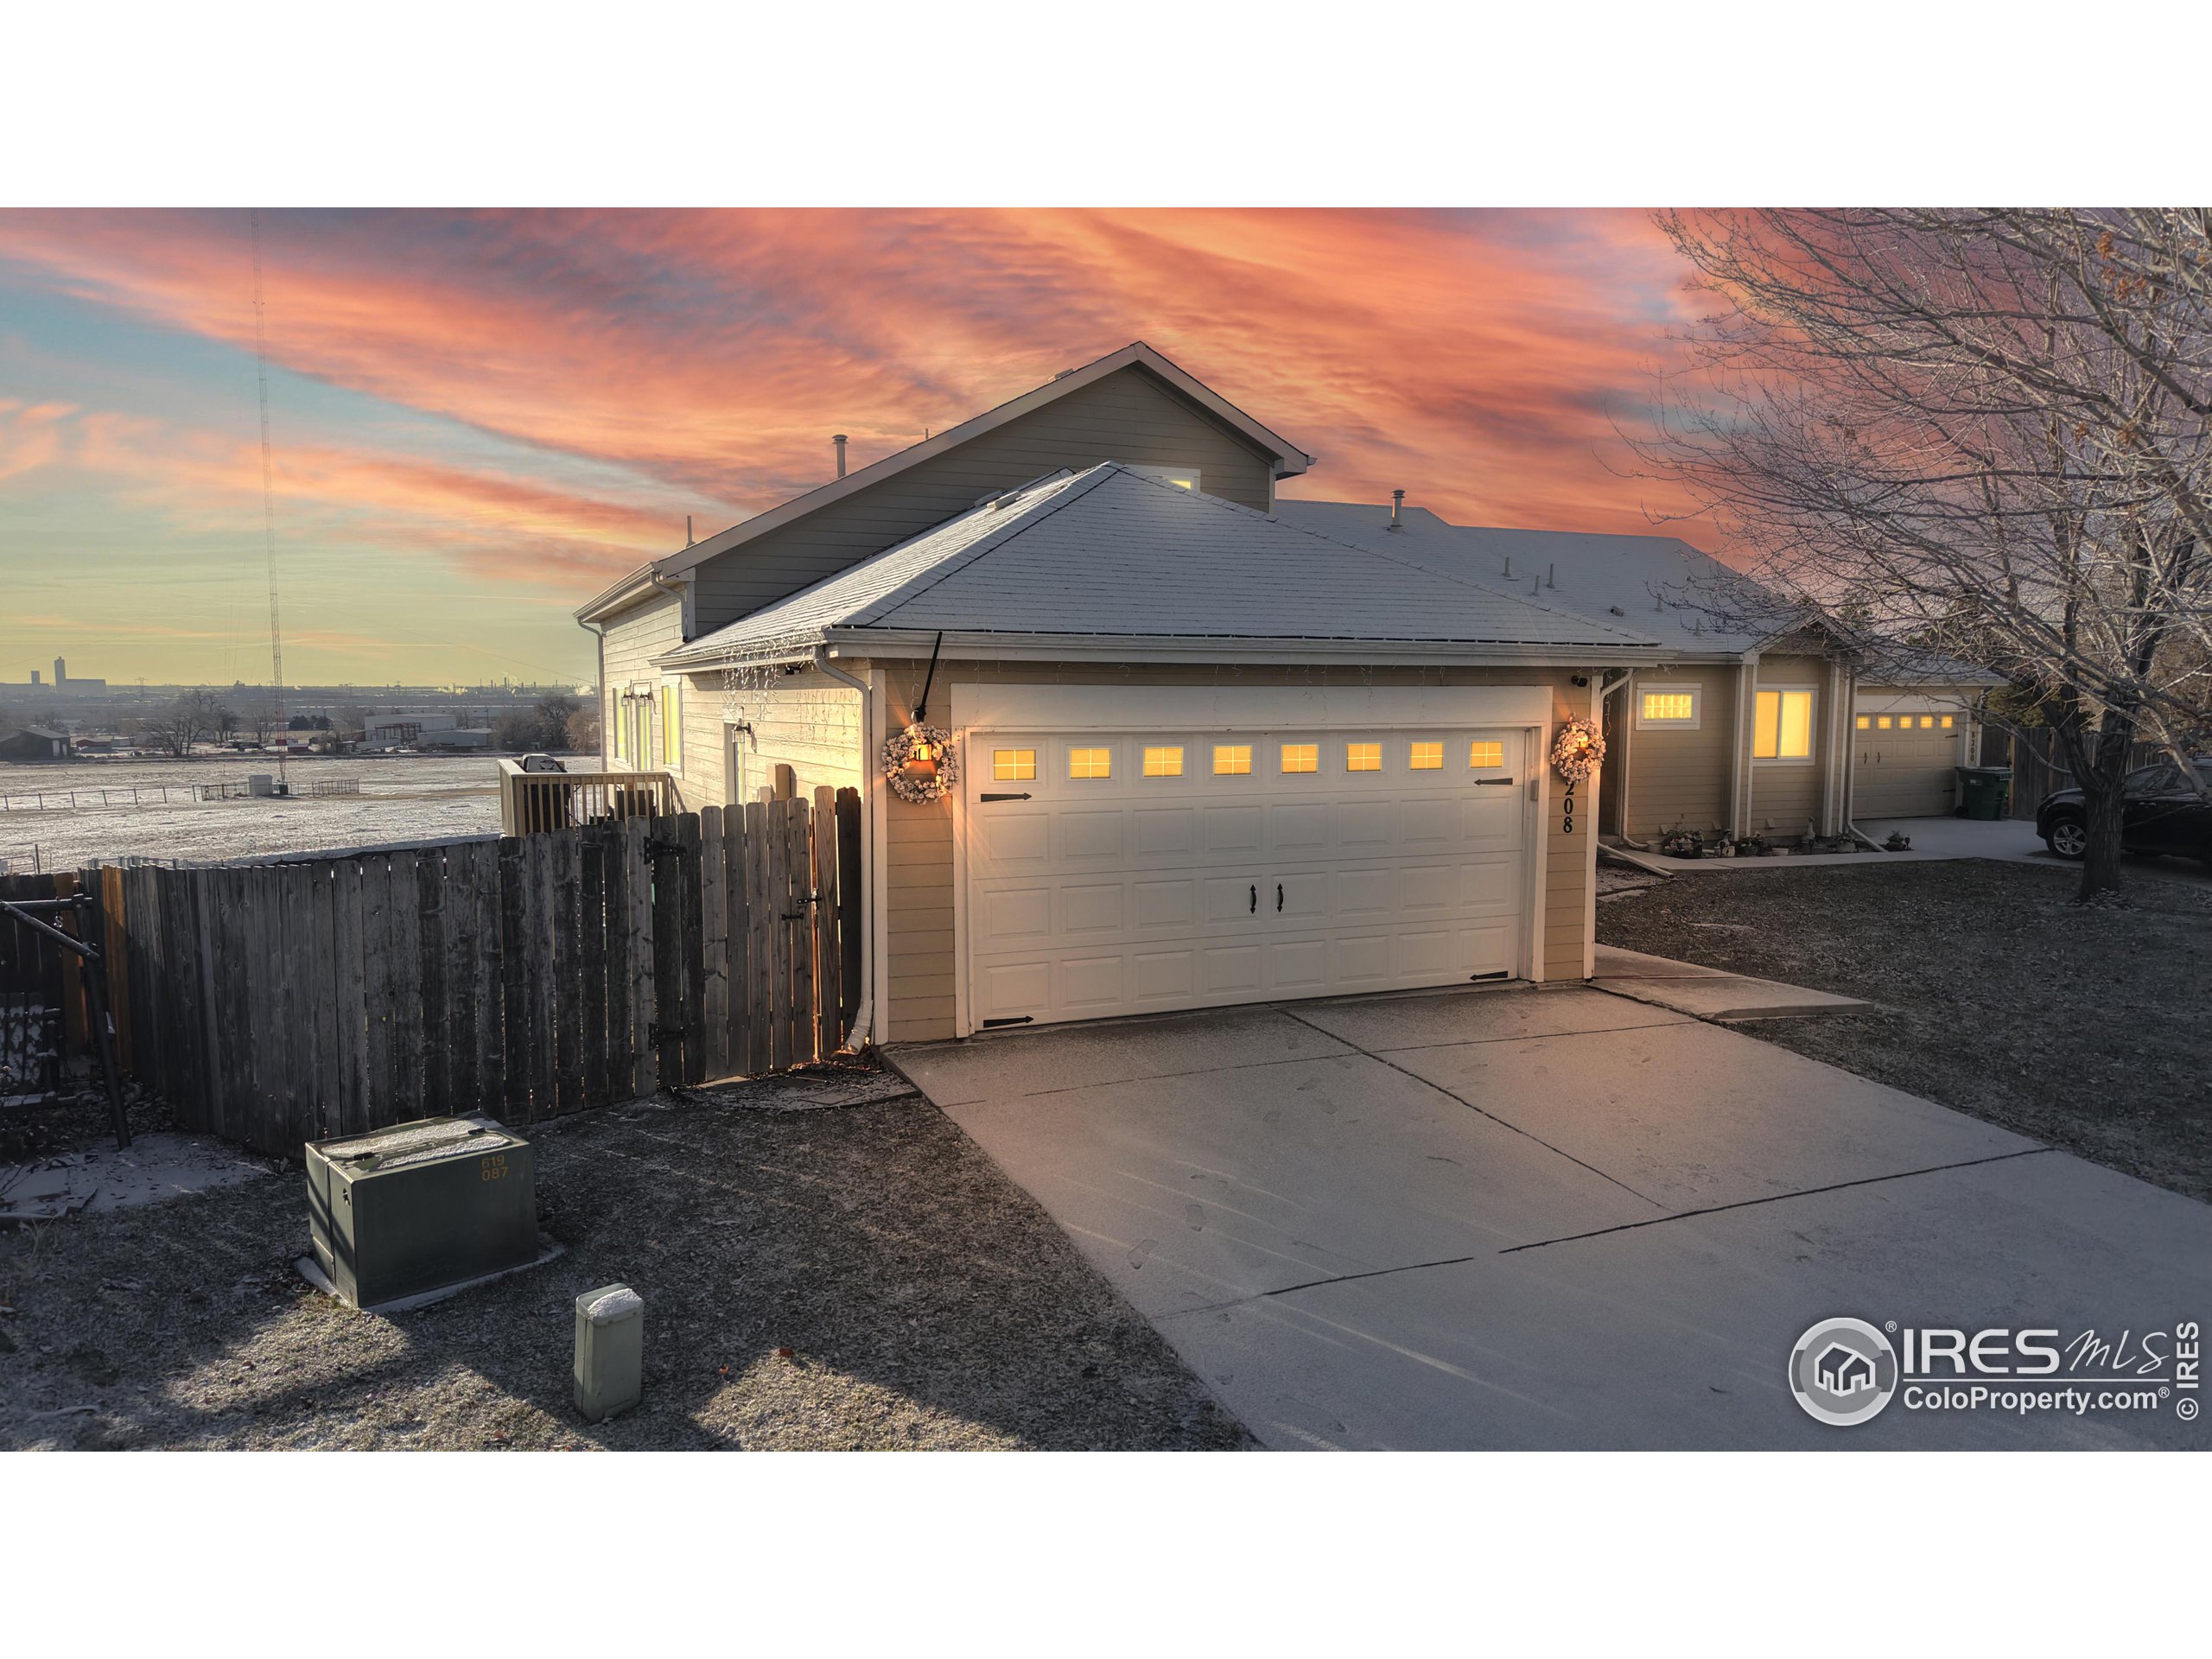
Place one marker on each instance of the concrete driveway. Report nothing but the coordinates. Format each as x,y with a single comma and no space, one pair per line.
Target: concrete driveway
1558,1218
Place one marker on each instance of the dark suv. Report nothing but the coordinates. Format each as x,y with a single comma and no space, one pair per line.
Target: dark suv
2164,811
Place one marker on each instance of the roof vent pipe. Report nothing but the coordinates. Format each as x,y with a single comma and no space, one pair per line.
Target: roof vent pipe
1508,566
840,441
1397,505
1551,576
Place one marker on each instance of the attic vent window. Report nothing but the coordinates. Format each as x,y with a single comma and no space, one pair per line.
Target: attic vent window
1183,477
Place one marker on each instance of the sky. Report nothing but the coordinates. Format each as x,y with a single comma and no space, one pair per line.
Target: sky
479,419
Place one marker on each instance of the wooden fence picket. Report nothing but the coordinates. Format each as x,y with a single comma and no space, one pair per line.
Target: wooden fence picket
277,1003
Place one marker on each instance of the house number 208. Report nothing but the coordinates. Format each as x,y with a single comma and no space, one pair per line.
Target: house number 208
1567,812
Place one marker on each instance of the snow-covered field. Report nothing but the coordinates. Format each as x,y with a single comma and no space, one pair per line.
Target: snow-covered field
403,798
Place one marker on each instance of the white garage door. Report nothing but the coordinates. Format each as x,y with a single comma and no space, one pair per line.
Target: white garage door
1127,873
1905,764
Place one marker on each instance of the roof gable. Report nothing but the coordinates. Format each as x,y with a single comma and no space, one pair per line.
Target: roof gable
1284,460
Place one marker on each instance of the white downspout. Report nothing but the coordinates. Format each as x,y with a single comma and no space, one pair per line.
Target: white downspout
864,1014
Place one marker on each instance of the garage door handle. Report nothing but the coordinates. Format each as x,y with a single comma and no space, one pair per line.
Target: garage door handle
1006,798
1255,900
1278,895
1502,783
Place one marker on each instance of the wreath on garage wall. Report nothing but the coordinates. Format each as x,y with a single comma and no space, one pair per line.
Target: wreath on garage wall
1578,750
921,764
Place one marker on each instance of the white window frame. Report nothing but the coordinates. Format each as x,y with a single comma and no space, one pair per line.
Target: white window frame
661,700
1812,726
1672,688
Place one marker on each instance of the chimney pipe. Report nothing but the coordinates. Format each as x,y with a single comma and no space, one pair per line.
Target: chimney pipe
1397,504
687,530
1551,576
840,441
1508,566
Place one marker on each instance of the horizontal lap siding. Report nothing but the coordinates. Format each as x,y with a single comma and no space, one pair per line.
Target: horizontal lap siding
626,651
1678,776
808,721
1567,858
1127,417
918,877
1786,795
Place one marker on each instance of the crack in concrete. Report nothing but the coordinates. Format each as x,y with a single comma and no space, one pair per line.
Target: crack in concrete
1385,1059
1778,1197
1624,1227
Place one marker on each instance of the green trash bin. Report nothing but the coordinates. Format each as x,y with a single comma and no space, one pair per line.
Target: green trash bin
1982,790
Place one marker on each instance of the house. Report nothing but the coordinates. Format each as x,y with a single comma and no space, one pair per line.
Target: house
1843,1370
1203,754
34,744
1778,729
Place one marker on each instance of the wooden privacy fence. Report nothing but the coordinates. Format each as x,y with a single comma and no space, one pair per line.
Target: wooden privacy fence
277,1004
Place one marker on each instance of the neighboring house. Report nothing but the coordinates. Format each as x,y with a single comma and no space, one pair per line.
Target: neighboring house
1742,730
1207,756
33,744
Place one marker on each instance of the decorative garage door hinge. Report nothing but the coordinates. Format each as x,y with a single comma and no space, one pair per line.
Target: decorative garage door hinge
1011,1020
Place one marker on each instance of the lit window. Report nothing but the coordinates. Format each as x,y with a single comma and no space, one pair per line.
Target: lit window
1302,757
1668,705
1163,763
1928,723
1864,721
1426,757
1232,759
1947,723
1090,763
1782,727
1884,722
1014,765
1362,757
1482,757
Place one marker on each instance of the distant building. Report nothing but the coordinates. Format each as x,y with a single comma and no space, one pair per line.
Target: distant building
34,744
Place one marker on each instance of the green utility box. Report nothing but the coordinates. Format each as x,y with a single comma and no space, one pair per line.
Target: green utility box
420,1206
1982,790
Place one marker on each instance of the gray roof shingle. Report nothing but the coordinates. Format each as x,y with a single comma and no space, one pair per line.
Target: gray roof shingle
1661,585
1110,553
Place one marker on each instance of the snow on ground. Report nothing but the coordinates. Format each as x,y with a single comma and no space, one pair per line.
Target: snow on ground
403,798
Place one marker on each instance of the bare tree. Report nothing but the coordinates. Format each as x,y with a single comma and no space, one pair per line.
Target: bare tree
1984,433
191,719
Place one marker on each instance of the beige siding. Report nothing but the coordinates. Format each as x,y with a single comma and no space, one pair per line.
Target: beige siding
918,879
1127,417
1786,794
809,722
1569,859
626,651
1682,777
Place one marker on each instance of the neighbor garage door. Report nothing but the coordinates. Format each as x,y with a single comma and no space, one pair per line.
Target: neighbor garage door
1134,872
1905,764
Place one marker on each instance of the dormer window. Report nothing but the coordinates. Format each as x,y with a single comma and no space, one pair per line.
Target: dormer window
1183,477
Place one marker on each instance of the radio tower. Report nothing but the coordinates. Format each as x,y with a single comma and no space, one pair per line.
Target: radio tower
269,512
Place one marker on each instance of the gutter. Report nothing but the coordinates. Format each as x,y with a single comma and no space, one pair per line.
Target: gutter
864,1014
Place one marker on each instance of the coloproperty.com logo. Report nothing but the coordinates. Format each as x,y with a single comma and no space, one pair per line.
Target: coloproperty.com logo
1845,1372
